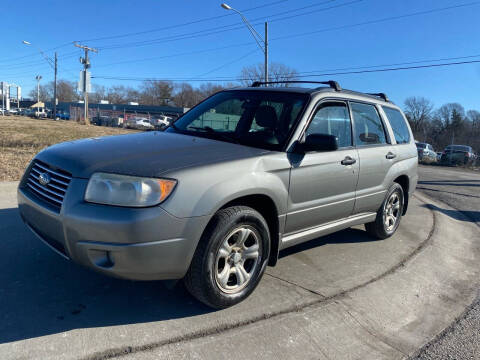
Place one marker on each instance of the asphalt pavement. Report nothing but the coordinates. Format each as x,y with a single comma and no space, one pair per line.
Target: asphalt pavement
460,189
340,296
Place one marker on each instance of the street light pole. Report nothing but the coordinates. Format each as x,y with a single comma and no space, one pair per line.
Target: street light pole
262,43
55,90
266,51
38,78
52,64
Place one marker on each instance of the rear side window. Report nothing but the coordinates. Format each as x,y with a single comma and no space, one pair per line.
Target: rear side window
399,126
368,125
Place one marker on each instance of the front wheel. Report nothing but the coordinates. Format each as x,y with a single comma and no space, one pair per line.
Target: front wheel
389,215
230,258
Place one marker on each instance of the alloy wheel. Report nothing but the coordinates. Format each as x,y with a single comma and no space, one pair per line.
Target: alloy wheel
237,259
391,211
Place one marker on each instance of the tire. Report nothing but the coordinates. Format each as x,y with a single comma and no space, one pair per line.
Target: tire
379,228
224,270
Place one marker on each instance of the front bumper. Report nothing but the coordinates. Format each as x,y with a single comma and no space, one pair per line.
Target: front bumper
130,243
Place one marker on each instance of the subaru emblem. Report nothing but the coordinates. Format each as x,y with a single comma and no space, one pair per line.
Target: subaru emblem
44,178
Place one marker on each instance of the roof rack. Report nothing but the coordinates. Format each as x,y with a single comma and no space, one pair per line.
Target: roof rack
333,84
381,95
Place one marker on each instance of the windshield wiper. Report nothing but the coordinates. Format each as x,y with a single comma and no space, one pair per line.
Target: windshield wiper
209,130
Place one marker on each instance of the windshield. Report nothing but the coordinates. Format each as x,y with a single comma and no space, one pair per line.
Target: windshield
262,119
421,146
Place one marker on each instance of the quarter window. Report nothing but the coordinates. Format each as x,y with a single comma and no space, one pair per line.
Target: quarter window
369,129
332,118
399,126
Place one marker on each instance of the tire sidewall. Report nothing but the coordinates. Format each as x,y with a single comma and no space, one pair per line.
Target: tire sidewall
244,217
394,188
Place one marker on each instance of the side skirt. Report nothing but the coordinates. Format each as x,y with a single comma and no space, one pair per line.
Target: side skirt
325,229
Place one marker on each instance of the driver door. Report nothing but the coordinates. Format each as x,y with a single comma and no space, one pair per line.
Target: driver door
322,184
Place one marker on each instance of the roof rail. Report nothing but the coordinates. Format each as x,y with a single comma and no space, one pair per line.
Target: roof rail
333,84
381,95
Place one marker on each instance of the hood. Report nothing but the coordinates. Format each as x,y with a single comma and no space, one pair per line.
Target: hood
142,154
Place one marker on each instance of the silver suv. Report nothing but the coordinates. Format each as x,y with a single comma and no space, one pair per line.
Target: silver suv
213,199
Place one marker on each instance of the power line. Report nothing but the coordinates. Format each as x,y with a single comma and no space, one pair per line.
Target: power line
230,62
230,27
34,63
226,28
184,24
301,76
425,12
34,54
307,33
382,65
175,55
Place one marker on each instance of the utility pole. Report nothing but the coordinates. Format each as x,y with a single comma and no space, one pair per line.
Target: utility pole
266,52
55,90
262,43
38,78
86,66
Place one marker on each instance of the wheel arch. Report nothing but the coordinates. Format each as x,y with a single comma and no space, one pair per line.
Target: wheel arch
404,182
265,205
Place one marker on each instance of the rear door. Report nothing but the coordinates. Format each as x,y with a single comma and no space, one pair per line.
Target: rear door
322,184
376,156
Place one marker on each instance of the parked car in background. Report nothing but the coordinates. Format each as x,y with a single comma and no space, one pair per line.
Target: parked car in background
40,114
458,155
63,115
439,156
13,112
426,153
143,124
161,122
26,112
215,197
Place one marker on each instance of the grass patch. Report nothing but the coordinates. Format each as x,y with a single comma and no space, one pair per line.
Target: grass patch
21,138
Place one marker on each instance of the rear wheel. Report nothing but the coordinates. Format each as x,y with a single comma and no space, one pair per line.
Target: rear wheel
389,215
230,258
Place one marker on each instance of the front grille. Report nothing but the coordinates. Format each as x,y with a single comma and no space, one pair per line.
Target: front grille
54,191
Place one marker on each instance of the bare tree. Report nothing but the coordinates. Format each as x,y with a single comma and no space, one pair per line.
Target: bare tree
66,91
155,92
473,129
99,93
186,96
276,72
45,93
418,111
450,113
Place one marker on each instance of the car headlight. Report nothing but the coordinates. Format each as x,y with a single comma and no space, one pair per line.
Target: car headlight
123,190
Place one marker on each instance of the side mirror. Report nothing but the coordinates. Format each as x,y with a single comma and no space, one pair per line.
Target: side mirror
370,138
319,142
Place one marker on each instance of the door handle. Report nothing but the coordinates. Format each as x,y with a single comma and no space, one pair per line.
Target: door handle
348,161
390,155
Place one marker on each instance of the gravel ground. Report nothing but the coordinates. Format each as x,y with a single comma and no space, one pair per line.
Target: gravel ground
461,190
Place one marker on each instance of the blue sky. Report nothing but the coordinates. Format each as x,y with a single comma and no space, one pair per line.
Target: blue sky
329,41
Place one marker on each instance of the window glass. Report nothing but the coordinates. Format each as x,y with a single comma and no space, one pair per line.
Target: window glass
224,116
368,125
399,126
332,119
262,119
276,106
